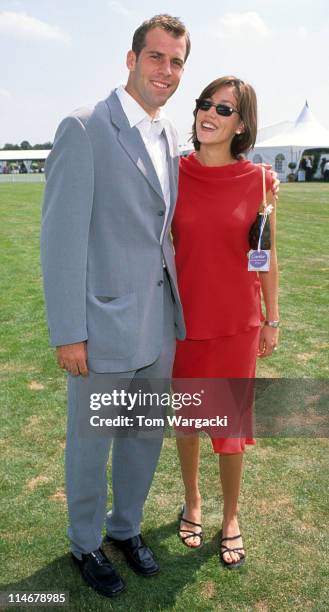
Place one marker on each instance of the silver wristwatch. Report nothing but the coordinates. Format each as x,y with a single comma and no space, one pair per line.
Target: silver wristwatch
272,323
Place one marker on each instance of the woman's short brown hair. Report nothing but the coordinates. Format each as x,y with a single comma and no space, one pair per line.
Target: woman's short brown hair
170,24
246,102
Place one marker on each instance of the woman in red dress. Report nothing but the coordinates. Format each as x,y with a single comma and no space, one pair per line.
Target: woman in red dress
220,194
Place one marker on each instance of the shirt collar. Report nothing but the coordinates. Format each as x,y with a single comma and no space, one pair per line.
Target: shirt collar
134,112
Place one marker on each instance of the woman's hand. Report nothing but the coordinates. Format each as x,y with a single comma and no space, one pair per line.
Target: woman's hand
268,341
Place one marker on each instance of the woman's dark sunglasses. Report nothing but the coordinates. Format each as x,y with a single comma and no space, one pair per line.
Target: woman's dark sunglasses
221,109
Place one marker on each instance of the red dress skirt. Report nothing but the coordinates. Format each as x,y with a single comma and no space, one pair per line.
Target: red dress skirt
229,357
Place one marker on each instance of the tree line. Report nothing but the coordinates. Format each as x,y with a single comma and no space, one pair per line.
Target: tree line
25,146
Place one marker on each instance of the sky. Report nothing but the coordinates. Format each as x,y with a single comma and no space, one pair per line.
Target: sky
59,55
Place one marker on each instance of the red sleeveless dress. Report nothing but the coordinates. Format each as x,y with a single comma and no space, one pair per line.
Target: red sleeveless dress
221,300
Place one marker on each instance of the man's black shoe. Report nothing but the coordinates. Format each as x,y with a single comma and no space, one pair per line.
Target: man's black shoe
138,555
97,570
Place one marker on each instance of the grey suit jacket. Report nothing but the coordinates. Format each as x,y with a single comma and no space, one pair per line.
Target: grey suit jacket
100,242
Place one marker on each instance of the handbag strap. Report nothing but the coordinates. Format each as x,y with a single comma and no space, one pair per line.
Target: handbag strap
264,187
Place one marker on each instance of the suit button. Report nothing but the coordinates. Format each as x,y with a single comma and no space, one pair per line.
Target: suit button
161,213
160,282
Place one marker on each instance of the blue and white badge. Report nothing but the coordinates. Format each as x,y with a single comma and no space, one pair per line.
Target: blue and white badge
259,261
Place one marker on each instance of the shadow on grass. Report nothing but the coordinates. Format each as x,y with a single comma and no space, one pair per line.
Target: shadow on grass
179,568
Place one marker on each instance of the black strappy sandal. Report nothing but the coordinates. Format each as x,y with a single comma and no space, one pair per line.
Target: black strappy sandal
191,534
233,564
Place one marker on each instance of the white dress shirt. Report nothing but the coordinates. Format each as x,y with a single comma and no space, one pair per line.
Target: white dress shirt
151,133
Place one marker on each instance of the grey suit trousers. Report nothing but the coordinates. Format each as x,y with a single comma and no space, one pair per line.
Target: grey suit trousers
134,459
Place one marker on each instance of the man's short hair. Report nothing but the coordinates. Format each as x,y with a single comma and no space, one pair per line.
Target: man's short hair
170,24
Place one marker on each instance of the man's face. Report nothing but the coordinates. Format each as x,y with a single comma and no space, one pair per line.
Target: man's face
155,75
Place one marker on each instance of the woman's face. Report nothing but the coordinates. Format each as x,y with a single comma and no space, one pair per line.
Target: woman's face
214,129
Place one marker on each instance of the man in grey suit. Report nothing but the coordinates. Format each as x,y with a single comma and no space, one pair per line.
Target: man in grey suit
110,286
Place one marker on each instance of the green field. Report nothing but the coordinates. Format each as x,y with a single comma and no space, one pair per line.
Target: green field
284,509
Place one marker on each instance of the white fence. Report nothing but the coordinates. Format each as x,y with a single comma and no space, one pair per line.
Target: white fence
22,178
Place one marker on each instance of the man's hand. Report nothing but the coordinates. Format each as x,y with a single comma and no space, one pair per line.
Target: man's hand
73,358
276,182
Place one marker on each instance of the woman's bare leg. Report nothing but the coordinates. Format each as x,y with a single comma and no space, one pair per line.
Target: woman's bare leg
188,447
230,468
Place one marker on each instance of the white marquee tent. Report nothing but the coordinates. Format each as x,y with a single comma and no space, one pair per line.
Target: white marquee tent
28,156
288,145
23,154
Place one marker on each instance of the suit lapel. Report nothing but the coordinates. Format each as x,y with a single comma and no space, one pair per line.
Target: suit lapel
133,144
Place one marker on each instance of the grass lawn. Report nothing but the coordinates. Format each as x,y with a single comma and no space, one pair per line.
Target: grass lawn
284,505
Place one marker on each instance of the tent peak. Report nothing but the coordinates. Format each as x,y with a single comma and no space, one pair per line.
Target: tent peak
305,115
